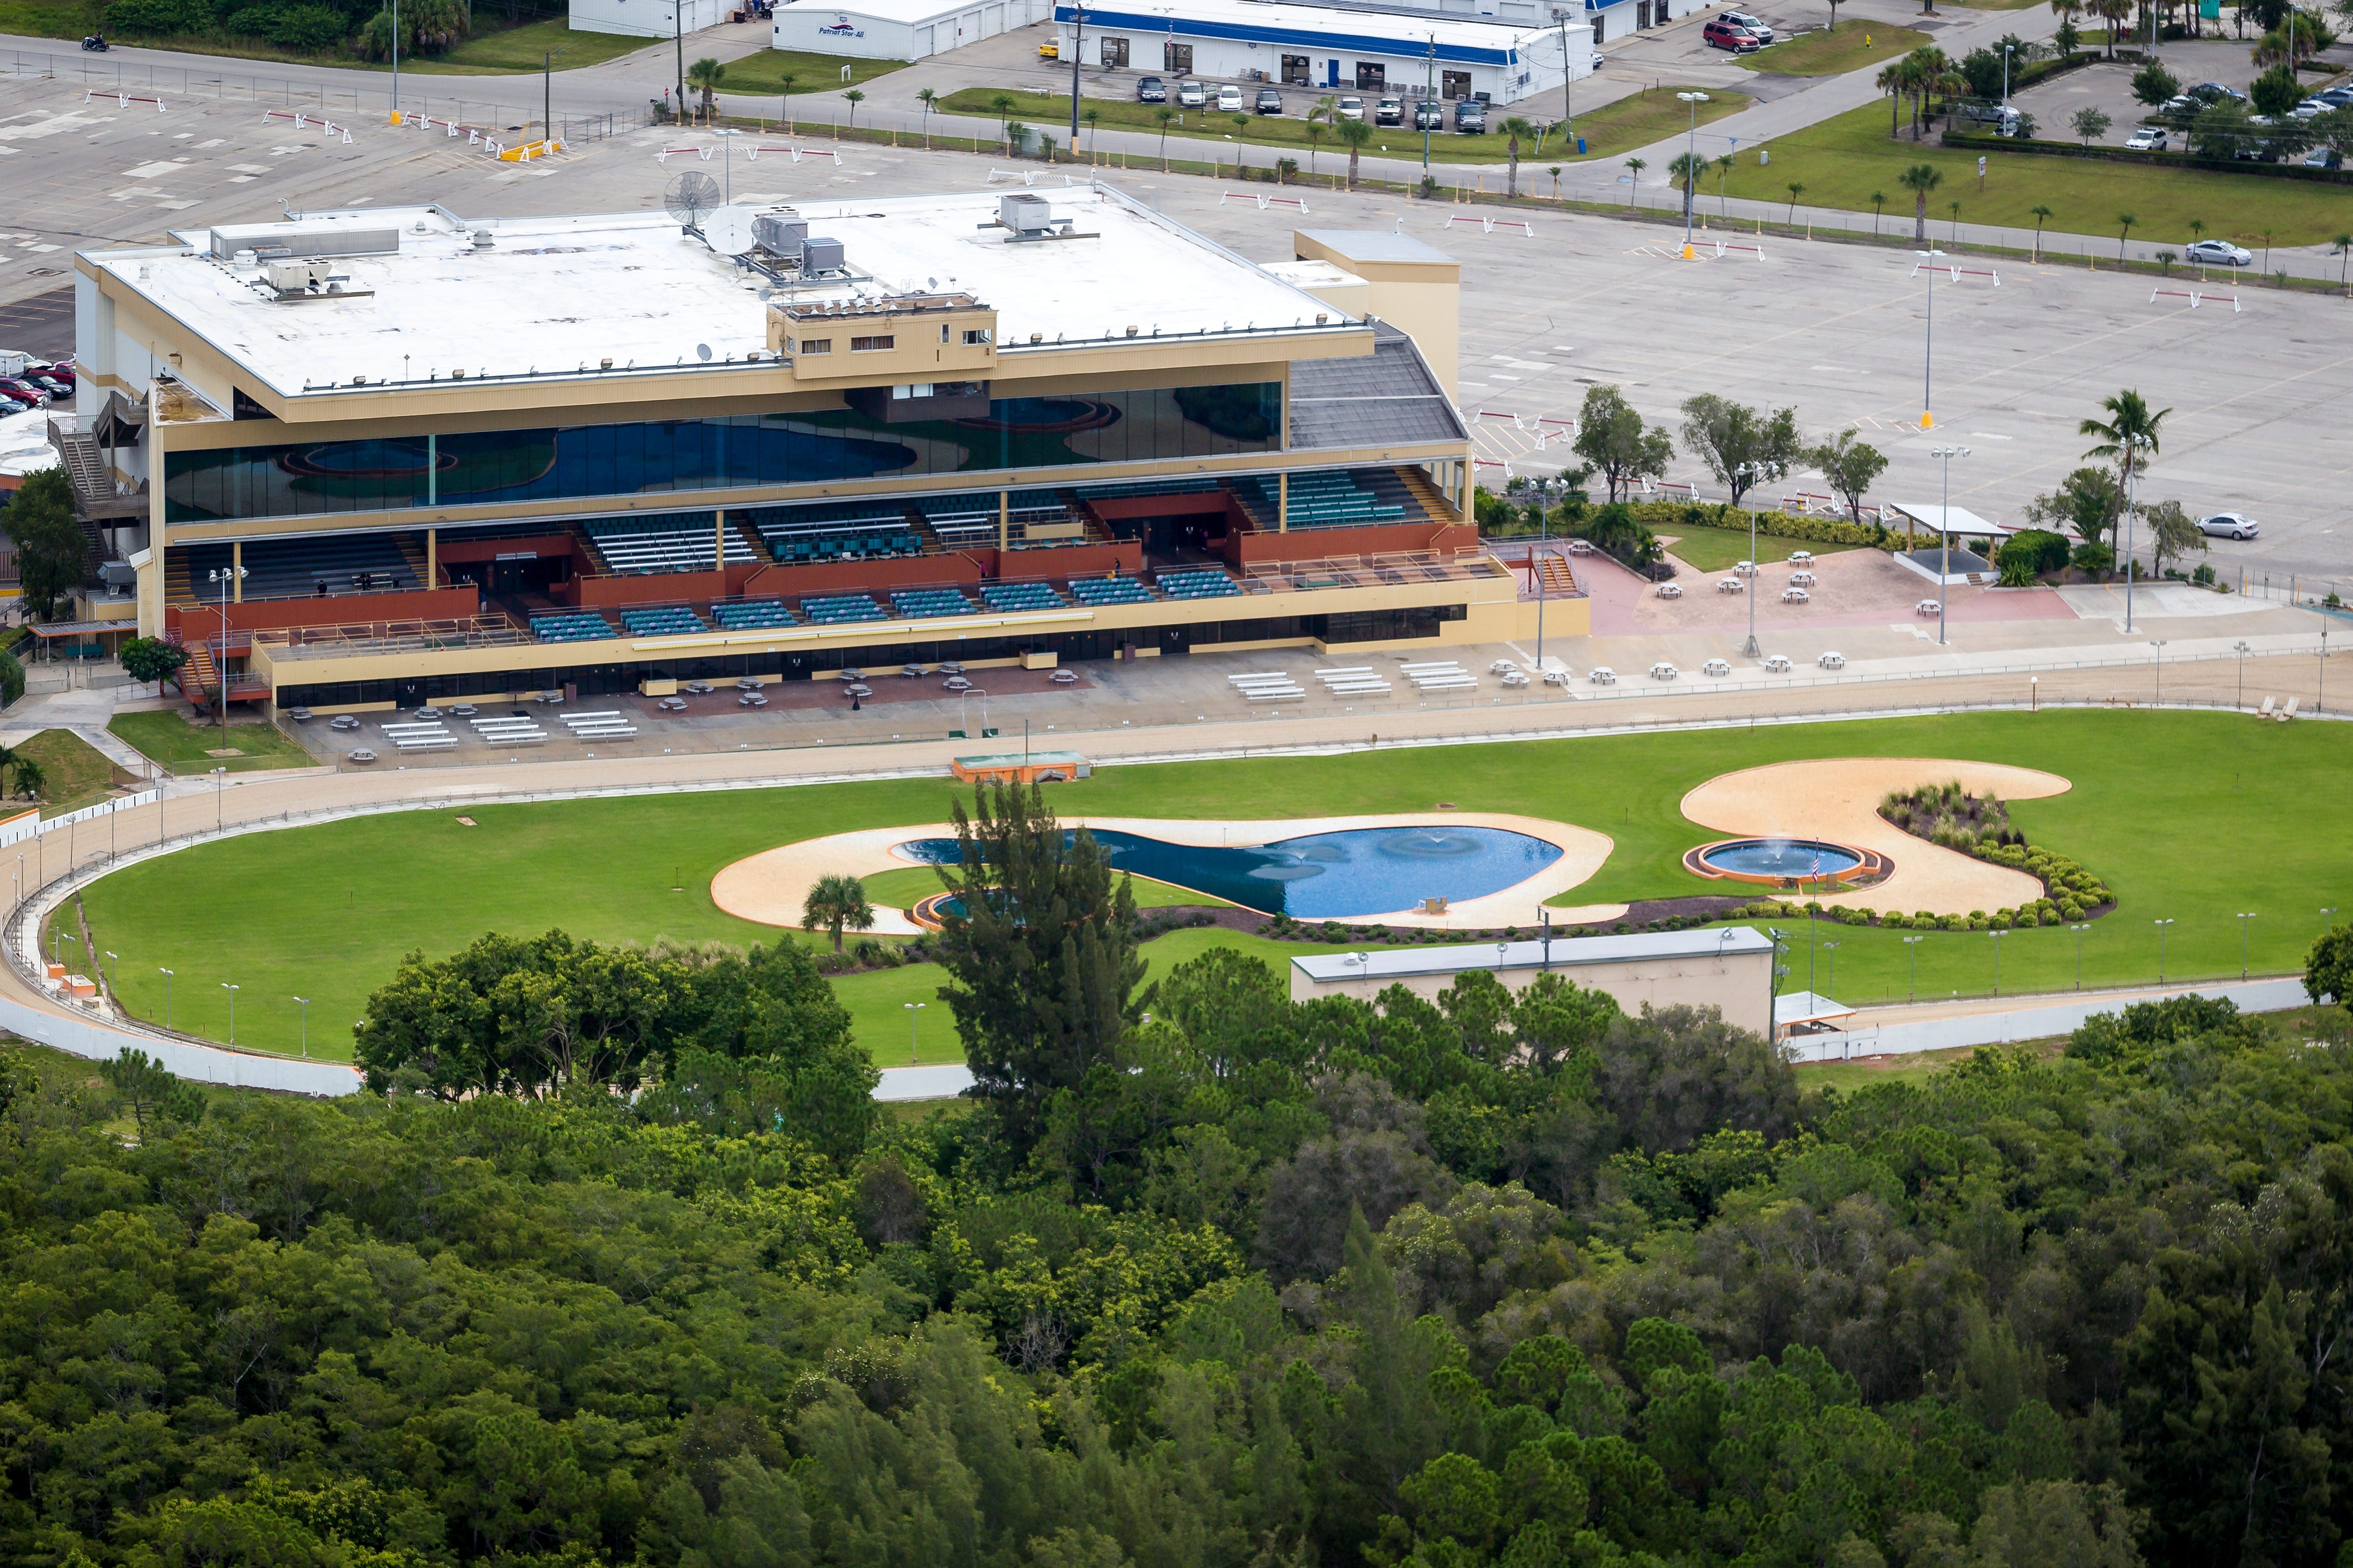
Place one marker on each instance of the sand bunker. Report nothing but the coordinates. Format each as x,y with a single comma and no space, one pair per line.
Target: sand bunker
769,887
1837,799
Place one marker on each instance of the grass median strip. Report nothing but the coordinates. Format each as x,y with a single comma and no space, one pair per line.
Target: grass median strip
1842,161
1833,52
1630,123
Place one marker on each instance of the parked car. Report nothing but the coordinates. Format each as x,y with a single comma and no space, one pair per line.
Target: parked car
1726,35
1351,108
1429,114
12,403
1269,101
2215,92
1151,89
1229,98
1390,111
2148,138
2311,108
1756,29
2339,96
2324,158
1052,49
1471,117
1192,95
2217,253
25,392
2230,525
1997,119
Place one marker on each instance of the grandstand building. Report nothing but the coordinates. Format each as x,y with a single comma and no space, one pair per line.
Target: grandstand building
378,457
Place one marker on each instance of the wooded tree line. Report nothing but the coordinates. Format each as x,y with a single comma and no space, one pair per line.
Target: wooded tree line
607,1273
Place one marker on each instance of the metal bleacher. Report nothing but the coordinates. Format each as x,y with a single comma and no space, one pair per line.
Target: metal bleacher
925,603
669,541
1197,585
1110,591
1334,499
837,609
753,614
570,625
301,568
666,620
873,532
1021,597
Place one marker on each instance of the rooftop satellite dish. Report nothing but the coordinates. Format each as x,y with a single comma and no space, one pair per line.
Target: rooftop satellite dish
728,230
692,197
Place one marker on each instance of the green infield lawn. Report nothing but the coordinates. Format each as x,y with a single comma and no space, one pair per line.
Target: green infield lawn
2191,817
1716,549
74,773
1630,123
186,748
1833,53
1843,160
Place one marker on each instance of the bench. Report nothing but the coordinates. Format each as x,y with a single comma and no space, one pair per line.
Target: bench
1359,688
1455,683
1273,693
426,743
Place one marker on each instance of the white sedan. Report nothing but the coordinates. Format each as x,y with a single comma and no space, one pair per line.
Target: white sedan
2230,525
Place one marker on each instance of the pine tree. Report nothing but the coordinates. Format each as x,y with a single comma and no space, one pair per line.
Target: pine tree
1041,947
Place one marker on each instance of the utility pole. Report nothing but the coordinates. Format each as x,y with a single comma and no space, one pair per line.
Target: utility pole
396,61
1078,48
547,94
678,34
1429,96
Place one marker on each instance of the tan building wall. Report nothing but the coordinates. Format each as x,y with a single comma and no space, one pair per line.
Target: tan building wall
1739,984
1411,285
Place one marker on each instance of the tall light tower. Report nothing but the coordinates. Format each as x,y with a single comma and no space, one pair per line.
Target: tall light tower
1944,455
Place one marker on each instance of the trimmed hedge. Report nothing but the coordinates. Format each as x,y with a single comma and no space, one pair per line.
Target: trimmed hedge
1964,142
1657,514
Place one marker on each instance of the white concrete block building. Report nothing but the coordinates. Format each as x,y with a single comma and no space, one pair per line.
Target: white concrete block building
647,18
898,29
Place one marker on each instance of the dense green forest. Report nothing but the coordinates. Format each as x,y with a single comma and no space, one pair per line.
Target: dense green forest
618,1263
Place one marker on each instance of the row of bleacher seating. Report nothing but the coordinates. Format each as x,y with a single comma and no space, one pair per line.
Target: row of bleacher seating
570,625
848,532
925,603
752,615
1328,499
1197,584
1021,597
670,541
835,609
298,568
1110,591
668,620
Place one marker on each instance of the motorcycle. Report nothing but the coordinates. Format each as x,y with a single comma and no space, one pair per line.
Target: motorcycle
96,43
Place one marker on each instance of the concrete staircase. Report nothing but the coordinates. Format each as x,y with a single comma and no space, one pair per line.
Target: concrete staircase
1430,499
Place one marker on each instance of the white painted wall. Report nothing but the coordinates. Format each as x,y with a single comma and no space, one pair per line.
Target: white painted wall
647,18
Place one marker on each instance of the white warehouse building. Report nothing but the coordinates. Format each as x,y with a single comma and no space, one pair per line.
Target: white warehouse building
899,29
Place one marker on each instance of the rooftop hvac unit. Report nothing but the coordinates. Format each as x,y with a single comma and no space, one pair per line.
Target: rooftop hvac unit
1025,214
819,254
286,240
779,235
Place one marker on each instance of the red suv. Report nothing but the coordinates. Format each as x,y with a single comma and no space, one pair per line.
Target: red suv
1732,36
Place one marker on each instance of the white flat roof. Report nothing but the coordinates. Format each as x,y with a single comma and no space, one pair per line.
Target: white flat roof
1944,519
1383,964
1479,40
552,296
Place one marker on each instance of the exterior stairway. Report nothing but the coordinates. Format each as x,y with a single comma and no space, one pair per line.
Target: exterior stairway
1431,498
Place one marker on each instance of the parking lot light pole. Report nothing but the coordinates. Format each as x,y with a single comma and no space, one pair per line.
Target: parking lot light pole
1928,344
2242,650
1751,473
913,1008
1944,455
1691,163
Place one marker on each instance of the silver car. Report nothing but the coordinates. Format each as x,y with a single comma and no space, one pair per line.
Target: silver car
2229,525
2218,253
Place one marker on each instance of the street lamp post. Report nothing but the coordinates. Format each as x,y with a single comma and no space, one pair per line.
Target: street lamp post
1077,48
2006,50
2158,700
1690,162
113,972
2160,949
1750,473
1928,344
232,1011
1912,946
2243,919
167,997
1998,933
222,578
305,1001
2079,931
1544,547
1944,455
2242,650
913,1008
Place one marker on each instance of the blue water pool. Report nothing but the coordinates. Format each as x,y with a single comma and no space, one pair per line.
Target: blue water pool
1347,875
1781,857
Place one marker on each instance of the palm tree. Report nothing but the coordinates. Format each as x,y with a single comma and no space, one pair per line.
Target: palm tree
706,75
1241,124
1554,171
2041,215
1956,240
853,97
1002,106
1514,129
835,902
2125,222
1634,167
1165,116
2128,435
1092,117
784,90
1686,170
1797,189
1878,199
1895,80
1316,134
28,775
1352,134
930,100
2344,244
1723,171
1920,179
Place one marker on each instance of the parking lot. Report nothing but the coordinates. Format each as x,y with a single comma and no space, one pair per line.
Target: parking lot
2108,88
